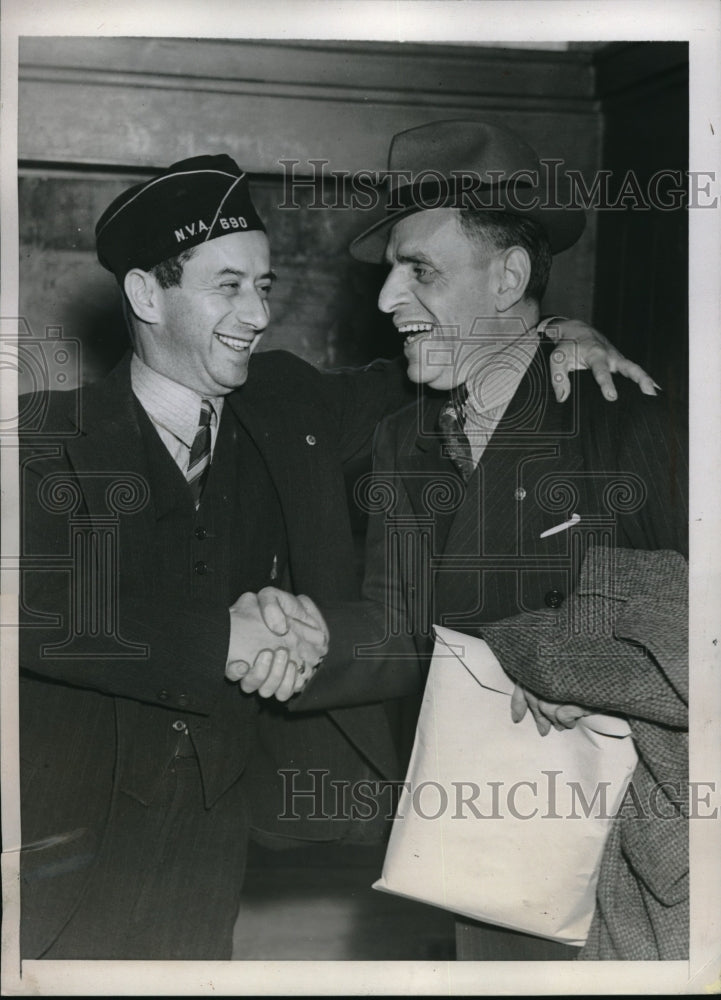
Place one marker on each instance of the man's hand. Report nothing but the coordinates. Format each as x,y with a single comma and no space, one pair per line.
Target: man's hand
578,347
281,610
546,713
273,664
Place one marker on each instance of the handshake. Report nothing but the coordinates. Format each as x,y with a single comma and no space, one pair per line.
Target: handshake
276,641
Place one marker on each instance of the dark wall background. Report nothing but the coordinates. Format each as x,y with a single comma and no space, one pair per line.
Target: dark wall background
98,114
641,289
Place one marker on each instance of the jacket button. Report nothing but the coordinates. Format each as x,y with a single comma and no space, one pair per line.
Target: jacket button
520,493
182,700
163,695
201,533
310,439
553,599
179,726
200,568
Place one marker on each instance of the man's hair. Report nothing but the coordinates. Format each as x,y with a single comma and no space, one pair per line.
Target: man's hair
499,230
169,273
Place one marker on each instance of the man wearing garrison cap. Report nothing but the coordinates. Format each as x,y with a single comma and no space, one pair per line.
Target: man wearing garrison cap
498,513
184,483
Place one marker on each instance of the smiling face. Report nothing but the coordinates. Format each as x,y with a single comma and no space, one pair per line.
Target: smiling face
205,329
442,293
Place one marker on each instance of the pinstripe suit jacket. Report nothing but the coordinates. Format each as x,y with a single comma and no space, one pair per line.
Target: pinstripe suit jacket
473,559
464,557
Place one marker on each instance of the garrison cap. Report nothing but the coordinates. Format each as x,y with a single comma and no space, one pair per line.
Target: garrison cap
471,164
193,201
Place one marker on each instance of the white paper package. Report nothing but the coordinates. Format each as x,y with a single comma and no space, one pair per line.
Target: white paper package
496,822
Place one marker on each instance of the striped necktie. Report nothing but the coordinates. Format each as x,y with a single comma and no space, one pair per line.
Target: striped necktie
199,462
450,422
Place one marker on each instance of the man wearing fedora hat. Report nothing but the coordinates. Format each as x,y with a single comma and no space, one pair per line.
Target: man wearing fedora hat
197,471
494,511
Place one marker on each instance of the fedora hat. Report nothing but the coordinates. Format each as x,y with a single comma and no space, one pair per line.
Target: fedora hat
471,164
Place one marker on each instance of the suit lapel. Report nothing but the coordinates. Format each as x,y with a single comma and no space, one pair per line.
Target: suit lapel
118,445
261,418
299,448
431,480
496,530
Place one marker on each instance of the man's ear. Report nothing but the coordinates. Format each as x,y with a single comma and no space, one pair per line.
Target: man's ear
513,277
143,294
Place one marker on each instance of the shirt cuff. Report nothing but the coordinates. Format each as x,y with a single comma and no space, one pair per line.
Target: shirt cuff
547,327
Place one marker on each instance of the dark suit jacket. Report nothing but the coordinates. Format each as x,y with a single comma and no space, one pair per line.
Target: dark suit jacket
464,557
91,724
473,559
439,552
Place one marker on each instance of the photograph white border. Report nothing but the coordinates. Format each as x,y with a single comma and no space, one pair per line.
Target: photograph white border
537,21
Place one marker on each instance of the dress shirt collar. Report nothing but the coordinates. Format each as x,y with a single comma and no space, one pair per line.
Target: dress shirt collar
493,386
173,406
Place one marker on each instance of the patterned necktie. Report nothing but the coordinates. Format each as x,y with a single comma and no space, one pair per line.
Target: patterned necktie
450,423
199,462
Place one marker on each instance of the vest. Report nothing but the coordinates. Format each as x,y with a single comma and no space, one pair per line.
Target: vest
234,542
